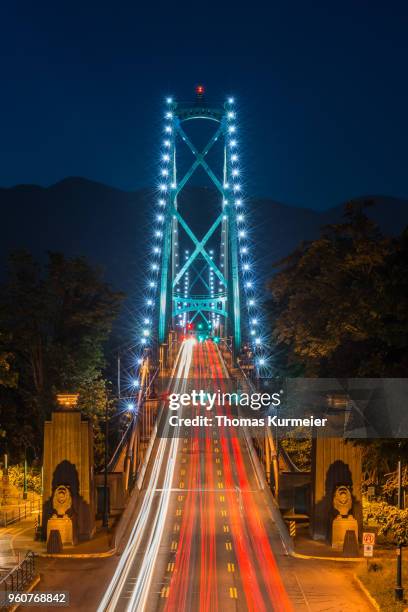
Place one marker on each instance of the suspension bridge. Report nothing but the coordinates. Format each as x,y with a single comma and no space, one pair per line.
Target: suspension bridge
200,530
211,278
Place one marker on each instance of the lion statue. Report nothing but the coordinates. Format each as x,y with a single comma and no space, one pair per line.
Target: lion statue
342,500
62,500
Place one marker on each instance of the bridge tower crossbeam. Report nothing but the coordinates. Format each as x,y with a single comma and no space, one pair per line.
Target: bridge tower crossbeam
171,304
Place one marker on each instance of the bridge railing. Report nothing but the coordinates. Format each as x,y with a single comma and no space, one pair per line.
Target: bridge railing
143,395
17,580
19,512
226,345
266,447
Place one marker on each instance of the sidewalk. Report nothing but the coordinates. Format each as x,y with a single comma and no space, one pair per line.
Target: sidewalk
15,509
18,539
15,541
305,546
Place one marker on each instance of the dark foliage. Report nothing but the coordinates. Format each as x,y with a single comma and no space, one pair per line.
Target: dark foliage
55,322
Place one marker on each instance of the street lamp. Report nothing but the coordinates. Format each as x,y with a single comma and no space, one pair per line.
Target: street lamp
25,489
105,512
399,590
105,516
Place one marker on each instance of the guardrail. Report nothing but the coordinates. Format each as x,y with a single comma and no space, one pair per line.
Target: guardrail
227,346
19,513
17,580
128,431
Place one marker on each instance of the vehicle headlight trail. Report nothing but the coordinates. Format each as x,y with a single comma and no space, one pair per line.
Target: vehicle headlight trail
145,520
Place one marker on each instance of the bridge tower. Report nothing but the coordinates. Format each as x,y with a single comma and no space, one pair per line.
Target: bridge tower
207,285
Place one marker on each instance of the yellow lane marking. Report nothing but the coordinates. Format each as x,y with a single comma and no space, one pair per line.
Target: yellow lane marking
182,472
176,527
174,545
228,545
222,498
181,484
216,450
179,512
226,529
223,513
231,567
164,592
217,460
220,485
180,497
170,567
219,472
233,593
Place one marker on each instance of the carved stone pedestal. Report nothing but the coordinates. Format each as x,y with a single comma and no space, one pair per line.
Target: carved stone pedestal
64,526
340,526
68,475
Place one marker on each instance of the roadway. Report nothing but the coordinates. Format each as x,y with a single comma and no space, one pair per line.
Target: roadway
203,538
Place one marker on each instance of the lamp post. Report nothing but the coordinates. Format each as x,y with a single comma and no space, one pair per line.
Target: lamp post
105,516
399,591
25,489
105,512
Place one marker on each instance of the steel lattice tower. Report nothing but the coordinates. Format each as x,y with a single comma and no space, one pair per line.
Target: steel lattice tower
178,302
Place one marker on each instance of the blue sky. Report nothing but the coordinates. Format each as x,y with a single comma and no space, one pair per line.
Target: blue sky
321,89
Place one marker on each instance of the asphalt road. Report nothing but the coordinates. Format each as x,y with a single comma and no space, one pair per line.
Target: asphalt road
203,542
203,536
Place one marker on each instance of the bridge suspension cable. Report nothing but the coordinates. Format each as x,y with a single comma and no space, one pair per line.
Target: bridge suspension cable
180,291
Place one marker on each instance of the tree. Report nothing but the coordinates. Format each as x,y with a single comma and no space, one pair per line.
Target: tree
16,478
339,308
339,303
391,521
298,445
380,457
8,377
57,318
94,397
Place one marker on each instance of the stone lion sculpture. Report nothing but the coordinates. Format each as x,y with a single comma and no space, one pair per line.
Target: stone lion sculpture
62,500
342,500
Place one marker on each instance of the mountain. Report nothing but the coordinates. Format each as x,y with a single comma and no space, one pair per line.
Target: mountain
279,228
113,228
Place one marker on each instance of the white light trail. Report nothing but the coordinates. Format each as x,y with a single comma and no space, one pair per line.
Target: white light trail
149,521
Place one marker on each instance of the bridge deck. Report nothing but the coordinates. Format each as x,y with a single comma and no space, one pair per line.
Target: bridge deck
203,538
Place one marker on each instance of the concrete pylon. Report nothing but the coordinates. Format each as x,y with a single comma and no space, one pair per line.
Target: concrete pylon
335,462
69,465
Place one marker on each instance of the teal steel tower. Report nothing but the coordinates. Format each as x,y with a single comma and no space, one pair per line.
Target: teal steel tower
201,286
225,302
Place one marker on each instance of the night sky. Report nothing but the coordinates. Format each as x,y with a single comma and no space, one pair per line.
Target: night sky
322,90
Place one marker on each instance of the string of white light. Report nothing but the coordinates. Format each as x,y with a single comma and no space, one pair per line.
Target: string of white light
164,188
257,340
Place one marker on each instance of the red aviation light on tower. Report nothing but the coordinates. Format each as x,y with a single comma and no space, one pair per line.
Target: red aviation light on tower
200,91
